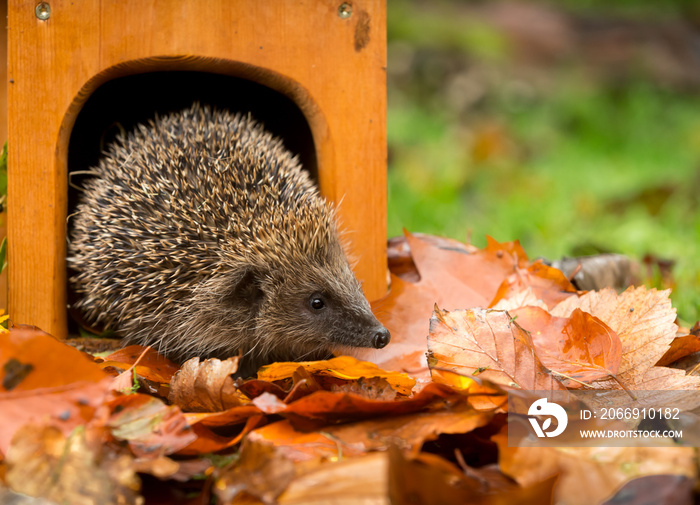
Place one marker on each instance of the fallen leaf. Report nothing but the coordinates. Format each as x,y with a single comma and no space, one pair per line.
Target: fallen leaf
680,348
545,283
151,366
64,407
151,428
348,482
260,472
75,469
590,474
644,321
24,364
408,432
324,408
342,367
449,278
205,387
429,479
487,344
580,348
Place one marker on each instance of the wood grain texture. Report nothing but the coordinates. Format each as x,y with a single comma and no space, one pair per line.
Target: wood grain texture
333,68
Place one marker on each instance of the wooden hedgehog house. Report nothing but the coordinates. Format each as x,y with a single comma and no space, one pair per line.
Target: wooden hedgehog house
312,71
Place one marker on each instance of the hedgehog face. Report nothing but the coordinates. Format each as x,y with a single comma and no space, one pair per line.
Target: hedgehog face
303,313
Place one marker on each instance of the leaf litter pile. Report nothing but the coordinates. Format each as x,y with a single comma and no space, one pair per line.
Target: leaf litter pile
420,422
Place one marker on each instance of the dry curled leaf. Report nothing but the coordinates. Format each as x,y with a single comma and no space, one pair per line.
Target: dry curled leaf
206,386
547,284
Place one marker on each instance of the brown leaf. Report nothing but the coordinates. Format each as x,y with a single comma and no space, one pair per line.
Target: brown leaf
348,482
680,348
206,386
644,321
44,462
449,278
151,428
429,479
487,344
544,282
600,271
656,489
260,472
580,347
590,474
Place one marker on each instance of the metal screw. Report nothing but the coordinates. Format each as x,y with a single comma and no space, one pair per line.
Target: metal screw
43,11
345,10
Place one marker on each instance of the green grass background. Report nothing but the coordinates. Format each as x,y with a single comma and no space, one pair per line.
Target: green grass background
577,164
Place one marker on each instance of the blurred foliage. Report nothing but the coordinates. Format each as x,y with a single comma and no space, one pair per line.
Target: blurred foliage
568,156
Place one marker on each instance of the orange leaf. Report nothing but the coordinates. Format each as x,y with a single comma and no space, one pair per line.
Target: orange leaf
644,321
342,367
408,431
489,345
546,283
30,358
431,479
324,407
680,348
151,366
580,347
449,278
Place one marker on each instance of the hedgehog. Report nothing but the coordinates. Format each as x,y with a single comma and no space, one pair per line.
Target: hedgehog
201,235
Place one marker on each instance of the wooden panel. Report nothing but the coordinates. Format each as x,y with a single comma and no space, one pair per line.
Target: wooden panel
333,67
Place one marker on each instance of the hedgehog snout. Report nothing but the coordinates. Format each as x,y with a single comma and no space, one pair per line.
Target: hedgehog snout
381,339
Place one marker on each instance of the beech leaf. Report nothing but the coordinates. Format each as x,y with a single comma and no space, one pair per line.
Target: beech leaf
487,344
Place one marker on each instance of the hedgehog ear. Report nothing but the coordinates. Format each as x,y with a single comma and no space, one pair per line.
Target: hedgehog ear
247,290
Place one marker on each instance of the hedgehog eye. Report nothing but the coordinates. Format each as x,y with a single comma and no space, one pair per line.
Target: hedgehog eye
317,302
